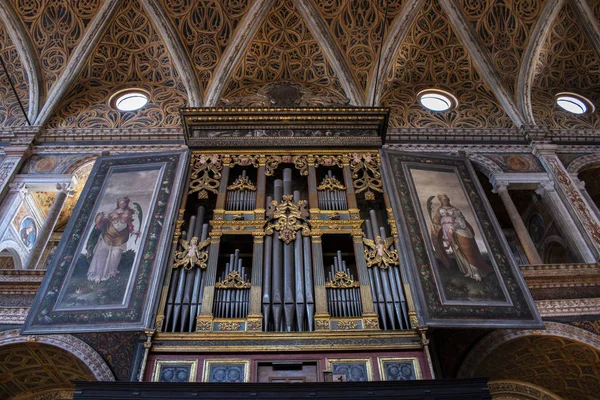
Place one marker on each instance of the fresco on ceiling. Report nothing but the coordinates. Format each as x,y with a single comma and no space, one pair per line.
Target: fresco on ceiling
105,273
517,162
456,253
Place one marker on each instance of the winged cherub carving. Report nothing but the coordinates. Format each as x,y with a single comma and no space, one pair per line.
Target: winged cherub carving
380,252
192,254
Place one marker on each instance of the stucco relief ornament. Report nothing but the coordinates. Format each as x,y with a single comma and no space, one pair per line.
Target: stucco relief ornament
193,255
380,253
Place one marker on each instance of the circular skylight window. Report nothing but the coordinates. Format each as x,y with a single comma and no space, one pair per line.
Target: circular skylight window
130,100
437,100
574,103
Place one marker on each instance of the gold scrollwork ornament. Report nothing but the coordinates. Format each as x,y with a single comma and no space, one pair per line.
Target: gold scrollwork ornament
287,218
341,280
242,183
233,281
331,183
193,254
206,174
365,174
380,253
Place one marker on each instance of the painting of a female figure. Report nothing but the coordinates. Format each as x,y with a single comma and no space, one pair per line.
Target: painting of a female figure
112,233
454,237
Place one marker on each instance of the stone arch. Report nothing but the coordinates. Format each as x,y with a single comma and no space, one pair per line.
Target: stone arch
12,248
73,168
551,242
75,347
583,163
485,165
562,359
511,389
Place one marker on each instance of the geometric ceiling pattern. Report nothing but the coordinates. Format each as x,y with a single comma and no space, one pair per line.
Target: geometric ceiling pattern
27,369
432,56
503,60
566,368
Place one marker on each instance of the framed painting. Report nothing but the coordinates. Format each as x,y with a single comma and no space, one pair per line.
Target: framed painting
106,272
226,371
399,368
175,371
452,248
353,369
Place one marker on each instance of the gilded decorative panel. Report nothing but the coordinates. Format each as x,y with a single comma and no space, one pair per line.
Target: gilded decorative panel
432,56
206,27
10,113
357,27
55,28
130,53
284,50
567,63
503,28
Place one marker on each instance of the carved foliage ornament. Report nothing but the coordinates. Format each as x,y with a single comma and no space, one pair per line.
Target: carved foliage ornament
380,252
300,162
206,174
287,218
365,174
233,281
192,255
242,183
341,280
331,183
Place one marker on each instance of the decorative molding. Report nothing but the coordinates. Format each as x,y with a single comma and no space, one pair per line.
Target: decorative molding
481,59
13,316
508,389
582,163
531,56
99,149
491,342
457,148
178,54
319,30
28,56
75,135
389,51
78,60
561,275
71,344
568,307
236,49
468,135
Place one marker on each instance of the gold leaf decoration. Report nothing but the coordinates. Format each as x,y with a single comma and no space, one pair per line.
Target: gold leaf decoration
55,28
365,174
233,281
242,183
504,27
284,50
299,161
432,56
341,280
356,26
192,255
206,27
347,325
287,218
331,183
229,326
379,252
567,63
206,174
130,54
10,112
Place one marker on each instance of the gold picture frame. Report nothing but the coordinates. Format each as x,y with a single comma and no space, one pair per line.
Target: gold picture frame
330,362
413,360
236,361
158,364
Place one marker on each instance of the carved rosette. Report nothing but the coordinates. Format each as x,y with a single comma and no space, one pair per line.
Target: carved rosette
329,161
243,160
287,218
254,325
233,281
206,174
341,280
203,324
371,323
365,174
322,324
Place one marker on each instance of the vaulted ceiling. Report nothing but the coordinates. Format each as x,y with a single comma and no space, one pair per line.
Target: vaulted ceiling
504,60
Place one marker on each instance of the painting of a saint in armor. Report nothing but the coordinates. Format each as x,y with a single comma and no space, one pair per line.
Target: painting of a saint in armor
464,266
105,265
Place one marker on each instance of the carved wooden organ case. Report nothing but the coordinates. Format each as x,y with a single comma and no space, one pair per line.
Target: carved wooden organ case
284,225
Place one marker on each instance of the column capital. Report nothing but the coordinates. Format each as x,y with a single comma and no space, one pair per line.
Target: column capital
500,186
543,149
545,186
66,188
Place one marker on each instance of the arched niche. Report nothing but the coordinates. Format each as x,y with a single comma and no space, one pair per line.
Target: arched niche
9,248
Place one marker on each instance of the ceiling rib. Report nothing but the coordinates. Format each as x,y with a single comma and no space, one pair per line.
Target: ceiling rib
317,26
588,22
481,58
235,50
31,63
179,56
390,47
78,59
530,57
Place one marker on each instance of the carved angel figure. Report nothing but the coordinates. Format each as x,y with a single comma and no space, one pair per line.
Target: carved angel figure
192,254
380,253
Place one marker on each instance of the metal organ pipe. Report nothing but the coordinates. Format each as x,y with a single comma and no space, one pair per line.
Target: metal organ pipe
241,199
332,199
342,302
232,302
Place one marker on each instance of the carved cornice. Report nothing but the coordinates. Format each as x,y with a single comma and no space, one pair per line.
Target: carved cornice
78,59
22,135
107,148
13,316
561,275
468,135
569,307
26,52
530,57
74,135
481,58
457,148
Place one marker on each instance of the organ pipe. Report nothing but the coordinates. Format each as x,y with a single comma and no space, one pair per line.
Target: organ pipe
232,291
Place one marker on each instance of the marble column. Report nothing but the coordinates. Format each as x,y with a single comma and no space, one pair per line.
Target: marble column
577,206
64,190
570,232
501,188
